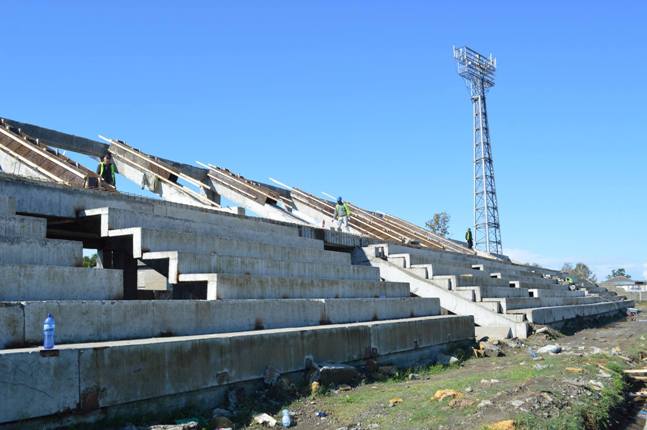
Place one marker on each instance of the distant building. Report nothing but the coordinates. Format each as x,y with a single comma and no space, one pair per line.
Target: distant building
627,284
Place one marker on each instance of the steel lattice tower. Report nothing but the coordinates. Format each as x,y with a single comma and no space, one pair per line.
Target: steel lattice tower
478,72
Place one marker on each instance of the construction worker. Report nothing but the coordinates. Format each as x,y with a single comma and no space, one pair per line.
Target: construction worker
106,170
342,213
468,238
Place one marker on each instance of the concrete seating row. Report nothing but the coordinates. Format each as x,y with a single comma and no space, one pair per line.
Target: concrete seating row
502,298
33,267
275,299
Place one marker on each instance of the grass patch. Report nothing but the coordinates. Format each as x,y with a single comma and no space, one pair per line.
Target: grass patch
591,409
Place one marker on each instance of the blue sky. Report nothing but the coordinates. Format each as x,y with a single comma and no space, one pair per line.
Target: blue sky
361,99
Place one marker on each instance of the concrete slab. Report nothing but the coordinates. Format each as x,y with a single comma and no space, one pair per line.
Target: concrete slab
480,279
199,260
228,286
145,240
83,321
23,227
32,282
509,304
190,221
552,292
7,206
550,315
50,252
501,292
113,373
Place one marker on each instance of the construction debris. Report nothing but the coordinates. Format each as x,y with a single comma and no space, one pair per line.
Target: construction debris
264,419
550,349
444,394
395,401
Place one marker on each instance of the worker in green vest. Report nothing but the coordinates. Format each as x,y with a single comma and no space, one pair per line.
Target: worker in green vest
106,170
342,214
468,238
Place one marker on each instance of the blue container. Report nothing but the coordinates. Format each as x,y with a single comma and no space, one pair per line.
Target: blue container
286,421
48,332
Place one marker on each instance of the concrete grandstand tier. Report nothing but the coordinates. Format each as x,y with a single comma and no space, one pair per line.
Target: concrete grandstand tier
40,282
483,293
227,286
50,252
85,321
82,378
185,218
22,227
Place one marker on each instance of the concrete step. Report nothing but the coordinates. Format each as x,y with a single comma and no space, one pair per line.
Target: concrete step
527,280
183,219
173,263
218,225
445,270
555,314
35,282
495,292
98,376
479,279
49,252
7,206
146,240
429,256
598,290
408,261
94,321
23,227
509,304
553,292
38,282
455,260
289,269
513,273
484,314
227,286
539,285
155,240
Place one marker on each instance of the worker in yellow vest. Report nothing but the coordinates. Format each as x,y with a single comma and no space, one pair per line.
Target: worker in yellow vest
107,171
468,238
342,214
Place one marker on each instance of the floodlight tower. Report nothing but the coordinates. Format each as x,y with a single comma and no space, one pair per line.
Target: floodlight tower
478,72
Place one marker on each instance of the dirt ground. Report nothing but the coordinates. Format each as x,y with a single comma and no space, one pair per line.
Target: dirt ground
573,389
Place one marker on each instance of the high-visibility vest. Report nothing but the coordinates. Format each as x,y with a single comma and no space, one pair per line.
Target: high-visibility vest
102,165
346,209
468,235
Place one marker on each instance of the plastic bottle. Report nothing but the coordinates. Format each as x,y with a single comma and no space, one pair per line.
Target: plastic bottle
286,421
48,332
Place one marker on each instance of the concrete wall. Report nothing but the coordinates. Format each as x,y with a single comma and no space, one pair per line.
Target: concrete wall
86,377
84,321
